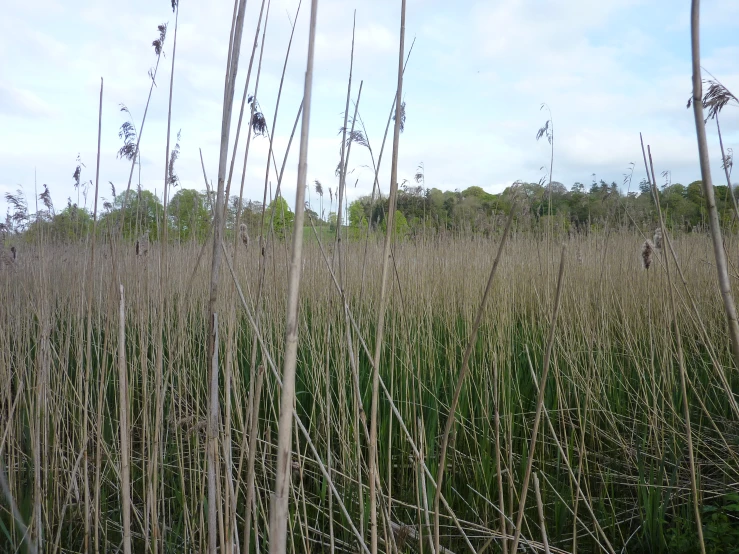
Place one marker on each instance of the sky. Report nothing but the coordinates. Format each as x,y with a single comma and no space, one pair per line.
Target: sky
476,79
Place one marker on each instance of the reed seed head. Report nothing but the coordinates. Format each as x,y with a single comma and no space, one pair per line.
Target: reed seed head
657,238
244,235
647,251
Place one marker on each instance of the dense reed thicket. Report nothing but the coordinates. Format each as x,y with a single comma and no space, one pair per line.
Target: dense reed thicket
610,459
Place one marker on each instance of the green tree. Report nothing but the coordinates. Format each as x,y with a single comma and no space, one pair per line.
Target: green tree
189,215
283,218
401,229
143,212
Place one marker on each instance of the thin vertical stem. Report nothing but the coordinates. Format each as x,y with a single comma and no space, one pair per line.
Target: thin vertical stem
88,341
123,425
280,497
213,442
713,220
373,473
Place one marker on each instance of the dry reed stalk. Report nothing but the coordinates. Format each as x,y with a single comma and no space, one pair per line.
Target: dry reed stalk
251,115
253,436
123,425
539,404
461,378
342,185
327,423
167,162
213,414
343,155
680,359
376,168
40,432
279,503
218,222
138,142
373,473
88,339
540,510
153,473
262,266
424,493
231,322
498,470
708,192
270,155
102,384
726,163
243,105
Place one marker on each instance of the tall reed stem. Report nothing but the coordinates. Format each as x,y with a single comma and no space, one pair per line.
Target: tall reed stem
280,496
88,341
123,425
708,192
373,473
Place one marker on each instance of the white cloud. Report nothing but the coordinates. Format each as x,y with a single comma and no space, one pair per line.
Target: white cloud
20,103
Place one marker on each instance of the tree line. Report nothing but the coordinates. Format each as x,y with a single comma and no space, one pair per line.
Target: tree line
419,210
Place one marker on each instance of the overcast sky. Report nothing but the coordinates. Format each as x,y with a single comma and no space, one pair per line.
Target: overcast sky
477,76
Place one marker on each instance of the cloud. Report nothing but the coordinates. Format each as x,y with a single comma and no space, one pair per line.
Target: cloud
20,103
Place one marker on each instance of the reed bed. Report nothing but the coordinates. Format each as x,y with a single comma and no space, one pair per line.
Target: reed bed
610,459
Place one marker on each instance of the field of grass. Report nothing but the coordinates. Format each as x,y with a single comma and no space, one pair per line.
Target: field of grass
610,460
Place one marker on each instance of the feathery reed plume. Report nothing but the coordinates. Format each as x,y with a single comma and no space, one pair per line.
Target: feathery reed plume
728,160
545,131
647,251
716,98
420,176
128,133
244,235
258,122
45,197
657,238
355,136
158,44
402,116
172,178
19,216
78,172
